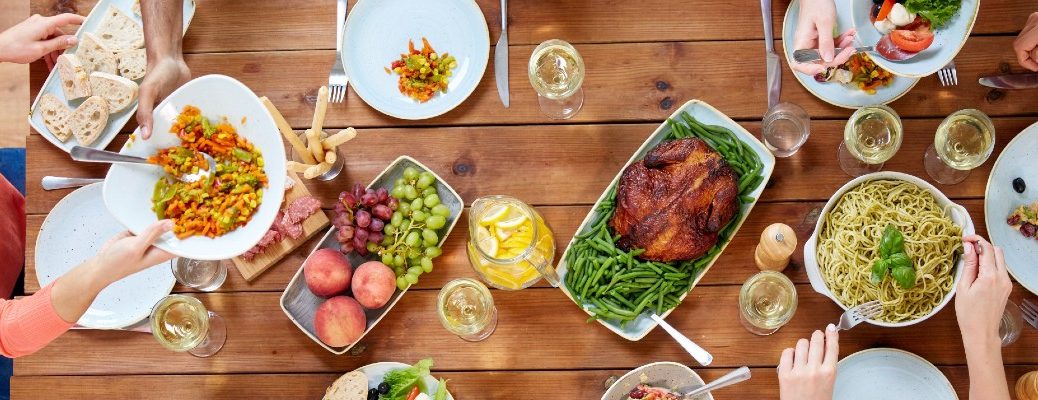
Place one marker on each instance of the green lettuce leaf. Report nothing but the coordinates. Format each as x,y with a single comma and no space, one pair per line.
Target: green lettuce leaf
938,12
402,380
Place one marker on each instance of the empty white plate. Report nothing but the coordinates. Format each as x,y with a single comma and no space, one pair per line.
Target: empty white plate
73,232
890,374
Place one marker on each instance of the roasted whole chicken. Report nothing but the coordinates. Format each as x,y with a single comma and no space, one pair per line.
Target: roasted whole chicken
674,202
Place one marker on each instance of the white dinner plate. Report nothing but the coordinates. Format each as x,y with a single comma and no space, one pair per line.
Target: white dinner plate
377,371
129,187
947,42
377,32
835,93
73,232
890,374
1016,161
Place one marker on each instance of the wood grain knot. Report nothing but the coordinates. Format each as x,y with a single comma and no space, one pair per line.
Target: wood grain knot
463,167
358,349
666,103
1004,67
662,85
995,95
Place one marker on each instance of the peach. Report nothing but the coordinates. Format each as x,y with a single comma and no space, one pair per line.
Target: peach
373,284
327,272
340,321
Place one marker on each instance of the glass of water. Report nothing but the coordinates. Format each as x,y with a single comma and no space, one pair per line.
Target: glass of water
785,129
1011,325
202,275
556,72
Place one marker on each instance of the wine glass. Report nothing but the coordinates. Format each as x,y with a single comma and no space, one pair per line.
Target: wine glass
182,323
767,301
466,308
556,72
963,142
871,137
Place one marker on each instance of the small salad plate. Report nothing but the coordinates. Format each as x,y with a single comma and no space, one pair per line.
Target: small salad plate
377,32
835,93
666,375
1000,200
376,373
890,374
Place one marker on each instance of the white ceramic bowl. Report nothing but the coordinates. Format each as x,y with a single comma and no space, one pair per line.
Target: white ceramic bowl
958,215
948,40
665,374
128,187
1016,161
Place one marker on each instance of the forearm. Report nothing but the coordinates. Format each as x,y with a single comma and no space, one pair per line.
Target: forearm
28,324
163,29
987,373
74,291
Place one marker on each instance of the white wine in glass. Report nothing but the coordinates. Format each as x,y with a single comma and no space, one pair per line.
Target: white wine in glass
871,137
556,72
963,142
466,309
182,323
767,302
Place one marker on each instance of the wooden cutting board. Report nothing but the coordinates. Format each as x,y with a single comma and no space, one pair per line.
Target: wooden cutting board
312,225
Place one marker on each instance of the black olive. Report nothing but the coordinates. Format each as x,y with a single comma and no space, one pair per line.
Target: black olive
1018,185
383,388
877,1
372,394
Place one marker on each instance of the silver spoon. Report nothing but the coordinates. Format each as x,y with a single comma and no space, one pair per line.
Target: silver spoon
731,378
60,182
701,355
87,154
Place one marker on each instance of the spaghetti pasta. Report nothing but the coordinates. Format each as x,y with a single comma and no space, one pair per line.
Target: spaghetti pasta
849,241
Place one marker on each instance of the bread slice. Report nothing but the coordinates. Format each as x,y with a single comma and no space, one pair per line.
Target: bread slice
55,114
74,79
132,63
352,386
119,31
118,91
94,55
89,120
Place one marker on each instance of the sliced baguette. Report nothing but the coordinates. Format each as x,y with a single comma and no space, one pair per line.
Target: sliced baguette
94,55
74,80
55,114
119,31
118,91
132,63
352,386
89,120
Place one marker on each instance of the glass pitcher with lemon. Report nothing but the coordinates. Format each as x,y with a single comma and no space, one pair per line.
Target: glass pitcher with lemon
510,246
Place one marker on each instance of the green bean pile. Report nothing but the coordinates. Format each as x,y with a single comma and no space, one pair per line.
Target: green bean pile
614,284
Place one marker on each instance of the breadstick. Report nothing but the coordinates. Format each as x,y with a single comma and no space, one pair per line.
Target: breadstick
320,110
287,132
330,156
313,140
297,167
343,136
317,170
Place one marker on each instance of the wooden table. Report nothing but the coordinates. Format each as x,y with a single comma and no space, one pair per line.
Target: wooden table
644,58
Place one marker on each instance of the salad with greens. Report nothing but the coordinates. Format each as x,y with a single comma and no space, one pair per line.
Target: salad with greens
409,384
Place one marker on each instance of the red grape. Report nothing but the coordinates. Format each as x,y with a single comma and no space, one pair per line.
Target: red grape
363,218
393,203
376,237
358,190
346,247
382,194
369,199
359,243
345,233
376,226
382,212
348,199
362,234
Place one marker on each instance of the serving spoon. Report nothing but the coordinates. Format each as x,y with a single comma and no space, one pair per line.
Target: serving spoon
80,153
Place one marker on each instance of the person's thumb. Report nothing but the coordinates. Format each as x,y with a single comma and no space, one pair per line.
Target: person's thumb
59,43
145,103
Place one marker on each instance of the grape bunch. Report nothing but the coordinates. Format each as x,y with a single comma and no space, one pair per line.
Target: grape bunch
412,235
361,217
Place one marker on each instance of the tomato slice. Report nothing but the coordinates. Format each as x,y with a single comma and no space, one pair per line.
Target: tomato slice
919,23
912,41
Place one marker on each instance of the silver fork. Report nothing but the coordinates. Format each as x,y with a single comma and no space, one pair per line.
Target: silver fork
337,79
1030,313
948,75
859,314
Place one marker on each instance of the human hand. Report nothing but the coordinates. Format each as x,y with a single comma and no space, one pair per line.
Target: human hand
815,26
808,372
1026,44
162,78
37,37
982,292
126,254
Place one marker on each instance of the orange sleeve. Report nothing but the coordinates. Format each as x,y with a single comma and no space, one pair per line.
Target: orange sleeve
28,324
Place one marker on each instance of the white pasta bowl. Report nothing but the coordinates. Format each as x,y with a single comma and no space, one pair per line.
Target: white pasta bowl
956,212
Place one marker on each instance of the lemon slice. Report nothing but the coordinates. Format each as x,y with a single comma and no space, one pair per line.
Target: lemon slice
512,223
502,279
495,214
486,242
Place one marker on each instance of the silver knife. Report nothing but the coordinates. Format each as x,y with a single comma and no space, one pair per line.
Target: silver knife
501,56
772,60
1011,81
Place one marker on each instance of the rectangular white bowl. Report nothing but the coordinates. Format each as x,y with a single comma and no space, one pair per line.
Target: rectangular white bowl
642,325
299,304
116,121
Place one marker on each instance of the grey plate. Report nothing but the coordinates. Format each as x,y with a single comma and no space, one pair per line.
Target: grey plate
667,375
1016,161
890,374
299,304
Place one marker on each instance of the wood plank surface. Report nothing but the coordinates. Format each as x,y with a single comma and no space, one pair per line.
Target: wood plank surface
463,385
625,82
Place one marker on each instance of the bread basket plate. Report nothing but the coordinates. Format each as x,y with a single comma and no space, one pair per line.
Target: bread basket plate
128,188
300,305
1000,200
957,213
116,121
643,324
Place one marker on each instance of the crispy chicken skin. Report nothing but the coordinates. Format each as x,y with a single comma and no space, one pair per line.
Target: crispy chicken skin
674,201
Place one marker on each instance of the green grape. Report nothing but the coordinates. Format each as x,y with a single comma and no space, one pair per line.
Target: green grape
439,209
413,253
432,200
429,190
425,180
418,216
410,192
386,241
390,229
412,279
398,261
435,222
372,247
427,264
412,239
397,192
417,270
396,219
399,182
405,225
410,173
387,259
401,283
433,251
429,236
404,207
417,204
399,271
